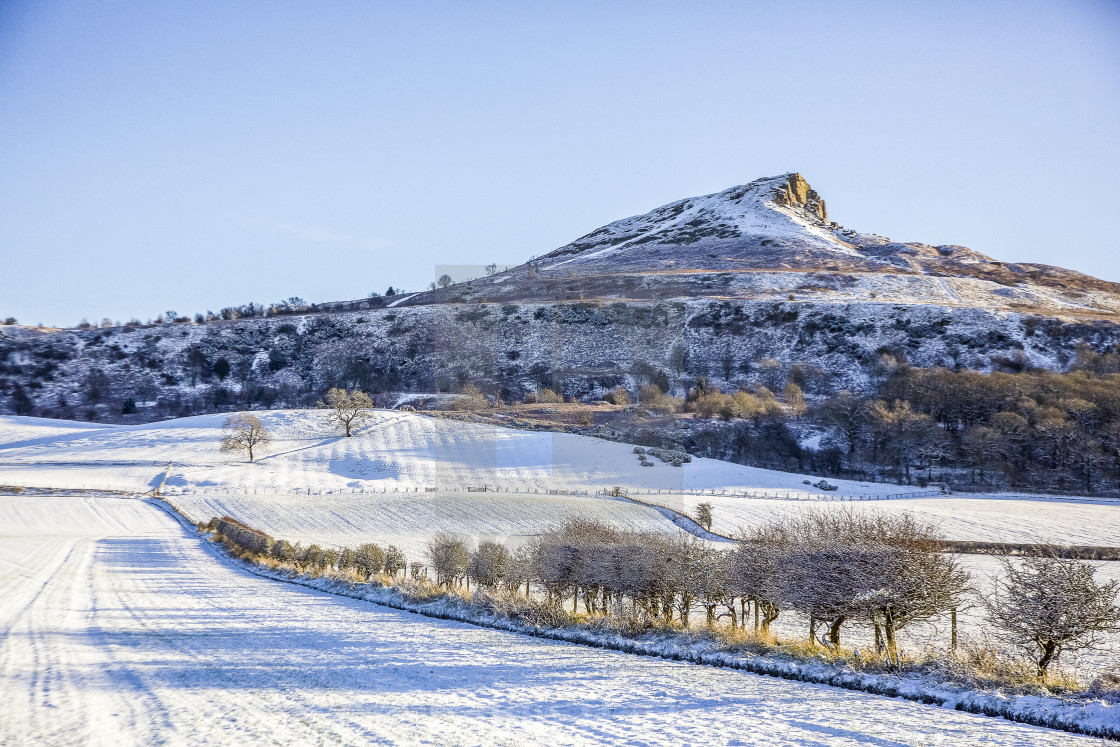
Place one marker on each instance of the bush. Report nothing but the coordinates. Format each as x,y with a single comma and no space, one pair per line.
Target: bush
449,557
618,396
548,396
395,560
470,399
244,537
1049,604
369,559
489,564
653,399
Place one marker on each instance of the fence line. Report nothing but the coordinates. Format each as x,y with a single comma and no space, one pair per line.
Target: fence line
788,495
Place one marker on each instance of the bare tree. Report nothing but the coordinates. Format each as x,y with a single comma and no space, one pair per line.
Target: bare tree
489,564
444,280
244,432
753,570
1048,605
369,559
347,407
910,578
395,560
704,515
449,557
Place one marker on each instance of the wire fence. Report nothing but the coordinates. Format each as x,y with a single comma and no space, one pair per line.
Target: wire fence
771,495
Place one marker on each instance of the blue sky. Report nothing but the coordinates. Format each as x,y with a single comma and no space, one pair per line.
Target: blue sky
188,156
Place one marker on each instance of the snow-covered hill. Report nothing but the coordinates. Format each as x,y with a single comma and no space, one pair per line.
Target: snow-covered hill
770,239
403,477
703,287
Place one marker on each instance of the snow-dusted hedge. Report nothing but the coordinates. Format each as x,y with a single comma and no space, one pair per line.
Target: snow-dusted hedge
1083,714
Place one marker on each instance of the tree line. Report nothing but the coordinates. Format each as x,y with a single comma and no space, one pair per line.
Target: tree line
837,569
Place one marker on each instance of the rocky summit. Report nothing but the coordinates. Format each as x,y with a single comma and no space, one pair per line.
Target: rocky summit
772,239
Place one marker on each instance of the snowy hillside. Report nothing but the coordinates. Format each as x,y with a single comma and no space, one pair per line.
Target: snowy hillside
702,287
393,451
772,238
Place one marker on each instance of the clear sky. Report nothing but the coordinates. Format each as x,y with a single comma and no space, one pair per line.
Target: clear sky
194,155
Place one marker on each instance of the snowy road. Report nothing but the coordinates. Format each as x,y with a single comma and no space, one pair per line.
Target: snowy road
120,627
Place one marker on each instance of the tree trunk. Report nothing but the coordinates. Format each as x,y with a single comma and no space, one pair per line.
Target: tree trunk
1048,650
834,630
769,616
888,632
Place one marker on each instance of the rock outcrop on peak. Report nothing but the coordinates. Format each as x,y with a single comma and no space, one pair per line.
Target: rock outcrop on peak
796,193
772,239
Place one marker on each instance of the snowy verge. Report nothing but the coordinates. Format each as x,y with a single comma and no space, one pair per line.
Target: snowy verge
1076,715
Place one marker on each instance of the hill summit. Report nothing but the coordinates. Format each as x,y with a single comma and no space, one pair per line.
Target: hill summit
772,239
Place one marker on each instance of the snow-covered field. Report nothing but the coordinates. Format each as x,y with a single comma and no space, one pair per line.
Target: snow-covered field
119,627
409,519
315,486
392,450
960,517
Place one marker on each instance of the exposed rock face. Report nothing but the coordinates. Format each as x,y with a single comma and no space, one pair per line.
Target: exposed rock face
796,193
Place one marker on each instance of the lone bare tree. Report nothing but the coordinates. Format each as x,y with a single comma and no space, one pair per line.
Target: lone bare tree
444,280
704,515
244,432
1048,604
348,408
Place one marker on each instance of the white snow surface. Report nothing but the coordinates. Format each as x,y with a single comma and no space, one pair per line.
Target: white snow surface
408,520
392,450
120,627
312,485
1068,521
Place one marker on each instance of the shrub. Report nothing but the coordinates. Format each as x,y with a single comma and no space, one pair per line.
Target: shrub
618,396
1049,604
449,557
489,564
394,560
369,559
548,396
470,399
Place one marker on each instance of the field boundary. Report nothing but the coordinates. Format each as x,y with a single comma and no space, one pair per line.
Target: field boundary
1090,718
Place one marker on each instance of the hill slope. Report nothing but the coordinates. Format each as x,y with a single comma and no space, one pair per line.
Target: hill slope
772,238
703,287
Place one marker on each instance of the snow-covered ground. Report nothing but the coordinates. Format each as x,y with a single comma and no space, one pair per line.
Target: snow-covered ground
392,450
313,485
960,517
119,627
407,520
